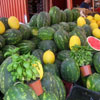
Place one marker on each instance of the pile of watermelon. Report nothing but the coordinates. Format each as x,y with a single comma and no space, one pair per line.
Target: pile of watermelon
46,31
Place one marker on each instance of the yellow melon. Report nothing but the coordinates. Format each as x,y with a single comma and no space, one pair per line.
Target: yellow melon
48,57
97,17
81,21
98,22
93,25
89,18
96,32
74,40
2,27
93,21
13,22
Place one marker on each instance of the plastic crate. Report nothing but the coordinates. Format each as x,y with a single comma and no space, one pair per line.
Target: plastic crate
80,93
1,96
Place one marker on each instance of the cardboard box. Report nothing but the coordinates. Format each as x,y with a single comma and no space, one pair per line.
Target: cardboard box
84,12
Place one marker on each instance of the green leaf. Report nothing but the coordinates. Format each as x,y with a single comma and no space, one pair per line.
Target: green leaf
14,78
19,70
33,77
9,67
34,70
15,56
29,73
81,54
11,52
15,66
26,64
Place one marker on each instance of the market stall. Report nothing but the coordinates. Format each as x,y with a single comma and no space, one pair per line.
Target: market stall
53,55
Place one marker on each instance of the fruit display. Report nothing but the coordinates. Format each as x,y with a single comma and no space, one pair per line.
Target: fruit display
55,48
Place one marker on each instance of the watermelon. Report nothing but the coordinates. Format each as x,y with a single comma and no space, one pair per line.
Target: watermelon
46,33
63,16
72,25
12,36
6,79
36,40
2,41
94,43
58,64
1,57
76,14
70,72
65,26
5,22
88,30
57,26
43,19
47,44
48,96
49,83
96,61
26,46
93,82
80,32
33,21
62,55
55,15
52,68
60,88
25,30
20,91
69,15
87,21
38,53
61,39
53,84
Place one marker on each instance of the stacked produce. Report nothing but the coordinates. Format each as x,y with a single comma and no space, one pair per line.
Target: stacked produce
57,43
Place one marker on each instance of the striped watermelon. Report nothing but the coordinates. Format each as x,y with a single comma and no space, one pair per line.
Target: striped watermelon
96,61
26,46
52,68
20,92
46,33
61,39
93,82
48,96
54,84
43,19
6,80
12,36
70,72
55,15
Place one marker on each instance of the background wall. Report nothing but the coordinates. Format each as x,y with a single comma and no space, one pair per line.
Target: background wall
62,4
